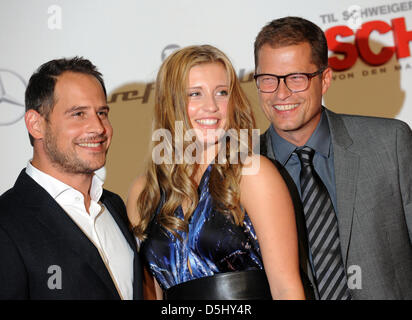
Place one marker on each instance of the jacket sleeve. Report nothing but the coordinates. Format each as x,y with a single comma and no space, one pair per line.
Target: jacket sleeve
404,155
13,275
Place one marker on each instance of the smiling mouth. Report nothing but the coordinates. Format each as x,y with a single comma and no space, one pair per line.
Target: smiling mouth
207,122
285,107
96,144
91,145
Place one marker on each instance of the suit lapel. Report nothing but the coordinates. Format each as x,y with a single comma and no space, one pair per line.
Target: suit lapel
50,214
346,165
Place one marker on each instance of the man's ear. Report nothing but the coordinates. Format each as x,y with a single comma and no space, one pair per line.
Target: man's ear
326,79
34,123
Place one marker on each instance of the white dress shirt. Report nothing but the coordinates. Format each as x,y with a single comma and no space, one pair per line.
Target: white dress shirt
99,226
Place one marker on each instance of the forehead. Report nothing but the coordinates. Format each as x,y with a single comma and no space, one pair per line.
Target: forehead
73,80
73,88
208,71
286,59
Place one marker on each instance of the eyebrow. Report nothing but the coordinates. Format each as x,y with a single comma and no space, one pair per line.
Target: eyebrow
218,86
82,108
104,108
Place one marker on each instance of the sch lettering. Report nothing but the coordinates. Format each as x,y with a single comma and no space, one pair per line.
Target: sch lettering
361,48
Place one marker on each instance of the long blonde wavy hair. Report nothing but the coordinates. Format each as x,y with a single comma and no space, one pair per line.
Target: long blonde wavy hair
176,181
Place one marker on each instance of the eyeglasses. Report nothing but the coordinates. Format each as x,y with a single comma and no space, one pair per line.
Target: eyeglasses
295,82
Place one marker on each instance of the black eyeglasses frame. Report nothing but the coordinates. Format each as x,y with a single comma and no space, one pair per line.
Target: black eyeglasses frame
309,75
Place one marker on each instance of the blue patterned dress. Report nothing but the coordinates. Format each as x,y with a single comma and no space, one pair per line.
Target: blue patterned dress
214,244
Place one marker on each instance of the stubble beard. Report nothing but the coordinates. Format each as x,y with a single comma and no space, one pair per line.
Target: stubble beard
67,162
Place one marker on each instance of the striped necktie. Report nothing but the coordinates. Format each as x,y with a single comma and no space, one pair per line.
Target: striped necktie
322,228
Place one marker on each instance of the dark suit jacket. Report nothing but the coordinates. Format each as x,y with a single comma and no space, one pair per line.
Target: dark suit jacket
373,174
36,233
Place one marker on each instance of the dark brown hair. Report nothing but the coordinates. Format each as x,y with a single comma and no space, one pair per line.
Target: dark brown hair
39,94
291,31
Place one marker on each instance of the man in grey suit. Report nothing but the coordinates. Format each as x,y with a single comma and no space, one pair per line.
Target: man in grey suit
352,173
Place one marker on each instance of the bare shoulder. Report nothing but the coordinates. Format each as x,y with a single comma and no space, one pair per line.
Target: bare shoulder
259,169
134,193
264,185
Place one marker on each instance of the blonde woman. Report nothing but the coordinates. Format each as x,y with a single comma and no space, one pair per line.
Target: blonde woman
208,230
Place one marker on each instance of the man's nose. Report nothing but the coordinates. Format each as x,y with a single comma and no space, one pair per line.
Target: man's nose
95,124
283,91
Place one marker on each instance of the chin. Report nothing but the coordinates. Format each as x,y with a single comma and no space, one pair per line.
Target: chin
90,167
207,142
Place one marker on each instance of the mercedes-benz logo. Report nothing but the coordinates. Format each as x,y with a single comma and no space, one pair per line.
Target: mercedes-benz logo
12,87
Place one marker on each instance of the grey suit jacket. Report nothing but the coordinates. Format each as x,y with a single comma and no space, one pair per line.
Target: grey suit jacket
373,174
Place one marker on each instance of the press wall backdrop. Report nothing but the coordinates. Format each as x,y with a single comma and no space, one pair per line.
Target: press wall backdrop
369,45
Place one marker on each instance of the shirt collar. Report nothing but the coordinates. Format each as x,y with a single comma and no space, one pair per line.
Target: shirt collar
281,148
319,141
55,187
320,138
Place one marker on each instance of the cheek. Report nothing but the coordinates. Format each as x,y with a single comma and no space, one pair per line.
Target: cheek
265,98
69,134
109,130
314,98
223,108
192,110
60,140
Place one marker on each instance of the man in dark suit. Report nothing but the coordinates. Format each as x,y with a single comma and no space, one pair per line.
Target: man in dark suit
352,173
62,236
